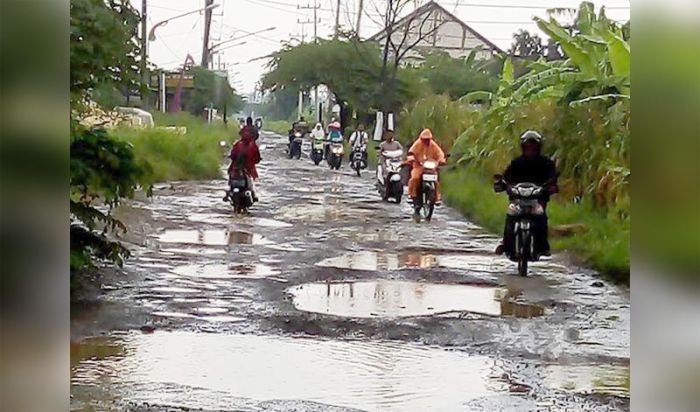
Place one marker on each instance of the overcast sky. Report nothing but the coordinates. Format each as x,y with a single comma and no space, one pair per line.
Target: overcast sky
497,20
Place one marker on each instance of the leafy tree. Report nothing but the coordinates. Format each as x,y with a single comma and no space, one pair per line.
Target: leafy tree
213,89
102,170
282,104
349,68
526,45
103,46
457,77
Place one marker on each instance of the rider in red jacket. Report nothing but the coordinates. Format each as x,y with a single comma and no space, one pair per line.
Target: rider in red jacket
244,156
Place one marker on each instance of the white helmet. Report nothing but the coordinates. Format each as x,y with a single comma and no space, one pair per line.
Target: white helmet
531,135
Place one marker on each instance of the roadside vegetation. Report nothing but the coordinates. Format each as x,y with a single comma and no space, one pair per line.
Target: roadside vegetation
167,154
110,165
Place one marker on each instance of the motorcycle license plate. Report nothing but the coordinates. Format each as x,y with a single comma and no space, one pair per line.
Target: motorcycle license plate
430,178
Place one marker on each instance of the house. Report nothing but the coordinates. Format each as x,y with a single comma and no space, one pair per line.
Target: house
432,28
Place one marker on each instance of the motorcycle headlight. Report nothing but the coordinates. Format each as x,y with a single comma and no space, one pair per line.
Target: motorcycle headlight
430,164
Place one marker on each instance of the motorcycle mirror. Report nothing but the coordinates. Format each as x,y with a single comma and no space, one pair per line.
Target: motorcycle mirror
447,156
377,147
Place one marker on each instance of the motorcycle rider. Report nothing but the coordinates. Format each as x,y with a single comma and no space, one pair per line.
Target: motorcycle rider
423,149
530,167
249,129
358,140
244,156
389,144
298,126
335,135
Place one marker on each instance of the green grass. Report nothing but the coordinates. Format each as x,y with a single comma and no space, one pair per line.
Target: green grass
603,245
277,126
170,156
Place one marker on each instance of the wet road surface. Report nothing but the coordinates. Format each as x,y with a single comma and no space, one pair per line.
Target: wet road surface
327,299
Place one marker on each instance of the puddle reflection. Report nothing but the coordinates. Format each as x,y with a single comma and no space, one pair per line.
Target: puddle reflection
212,237
373,261
373,376
394,298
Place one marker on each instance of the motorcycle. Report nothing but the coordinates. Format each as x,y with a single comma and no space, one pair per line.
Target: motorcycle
295,145
392,186
357,159
240,194
424,204
524,206
335,155
318,146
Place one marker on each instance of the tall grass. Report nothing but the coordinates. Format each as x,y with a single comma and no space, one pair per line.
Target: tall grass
446,118
278,126
170,156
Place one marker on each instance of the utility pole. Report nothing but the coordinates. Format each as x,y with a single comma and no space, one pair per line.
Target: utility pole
337,19
303,31
207,26
144,56
315,8
359,19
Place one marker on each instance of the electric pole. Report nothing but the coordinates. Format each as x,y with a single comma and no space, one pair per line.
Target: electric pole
359,19
315,8
144,56
337,19
207,26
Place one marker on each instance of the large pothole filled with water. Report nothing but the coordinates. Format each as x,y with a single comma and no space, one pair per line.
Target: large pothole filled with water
399,298
226,371
214,237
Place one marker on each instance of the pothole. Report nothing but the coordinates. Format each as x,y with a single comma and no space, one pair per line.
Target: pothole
226,271
374,261
397,298
169,367
600,379
212,237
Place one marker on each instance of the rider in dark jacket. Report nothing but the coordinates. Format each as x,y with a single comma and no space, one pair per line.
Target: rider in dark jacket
530,167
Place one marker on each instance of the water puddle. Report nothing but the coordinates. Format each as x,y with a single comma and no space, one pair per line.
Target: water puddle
212,237
225,370
373,261
395,298
261,221
226,271
194,251
600,379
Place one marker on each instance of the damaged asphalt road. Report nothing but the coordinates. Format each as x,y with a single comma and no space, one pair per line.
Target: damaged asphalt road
327,299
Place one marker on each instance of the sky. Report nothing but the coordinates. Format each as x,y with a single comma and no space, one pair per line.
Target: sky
497,20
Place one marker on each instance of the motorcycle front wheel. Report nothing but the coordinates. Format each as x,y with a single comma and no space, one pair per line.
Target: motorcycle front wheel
523,251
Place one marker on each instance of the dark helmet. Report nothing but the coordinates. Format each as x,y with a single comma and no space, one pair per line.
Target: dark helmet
531,136
249,121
